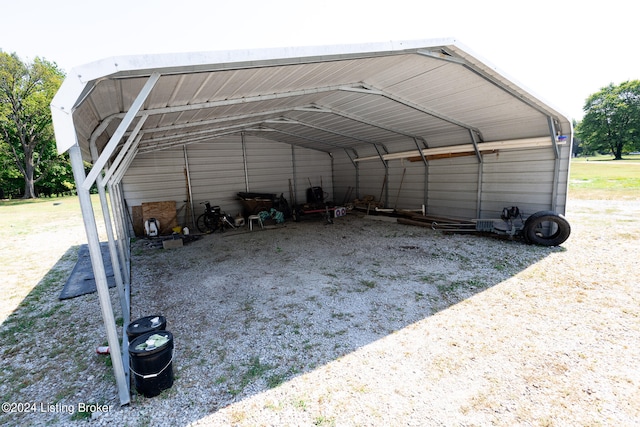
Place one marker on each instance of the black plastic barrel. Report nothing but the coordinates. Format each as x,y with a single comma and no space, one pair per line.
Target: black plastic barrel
145,324
151,364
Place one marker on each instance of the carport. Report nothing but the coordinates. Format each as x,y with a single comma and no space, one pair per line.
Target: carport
419,124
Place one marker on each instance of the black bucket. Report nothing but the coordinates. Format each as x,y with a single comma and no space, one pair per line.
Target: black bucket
144,325
152,363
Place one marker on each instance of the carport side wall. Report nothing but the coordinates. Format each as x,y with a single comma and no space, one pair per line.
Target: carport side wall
523,178
217,173
450,188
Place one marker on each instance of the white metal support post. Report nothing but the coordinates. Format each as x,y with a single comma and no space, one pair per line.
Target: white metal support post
425,202
111,240
480,172
100,275
123,234
556,164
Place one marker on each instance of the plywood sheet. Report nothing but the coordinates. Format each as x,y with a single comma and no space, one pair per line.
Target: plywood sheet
163,212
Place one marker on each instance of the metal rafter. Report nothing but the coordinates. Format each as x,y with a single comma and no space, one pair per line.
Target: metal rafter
359,119
220,103
366,88
295,135
285,120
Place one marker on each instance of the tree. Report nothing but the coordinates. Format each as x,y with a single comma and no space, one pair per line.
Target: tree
612,120
26,131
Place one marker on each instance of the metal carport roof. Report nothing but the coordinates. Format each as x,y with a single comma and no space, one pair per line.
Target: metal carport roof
383,100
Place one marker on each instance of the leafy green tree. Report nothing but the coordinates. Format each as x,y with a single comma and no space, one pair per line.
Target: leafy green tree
26,131
612,120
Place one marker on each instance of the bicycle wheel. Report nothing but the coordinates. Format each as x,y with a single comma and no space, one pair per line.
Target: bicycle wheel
206,224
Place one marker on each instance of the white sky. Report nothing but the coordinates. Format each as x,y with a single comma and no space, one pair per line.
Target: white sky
562,51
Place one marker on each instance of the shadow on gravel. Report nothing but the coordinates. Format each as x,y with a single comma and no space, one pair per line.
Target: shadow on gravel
251,311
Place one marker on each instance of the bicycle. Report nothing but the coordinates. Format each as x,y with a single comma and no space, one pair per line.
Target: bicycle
213,219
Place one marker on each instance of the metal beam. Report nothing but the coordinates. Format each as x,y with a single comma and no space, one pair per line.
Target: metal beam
115,259
223,103
511,144
441,54
118,172
426,173
556,164
108,150
116,178
285,120
422,109
123,151
358,119
99,273
208,136
308,138
244,162
480,175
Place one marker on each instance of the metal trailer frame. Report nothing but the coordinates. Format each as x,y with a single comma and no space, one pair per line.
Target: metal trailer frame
545,228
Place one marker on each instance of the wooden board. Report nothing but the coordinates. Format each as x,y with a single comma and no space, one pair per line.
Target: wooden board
138,223
164,212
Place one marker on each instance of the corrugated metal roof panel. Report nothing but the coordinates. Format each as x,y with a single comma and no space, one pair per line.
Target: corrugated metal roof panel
339,97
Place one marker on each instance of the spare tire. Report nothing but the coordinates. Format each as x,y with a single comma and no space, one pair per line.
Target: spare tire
546,228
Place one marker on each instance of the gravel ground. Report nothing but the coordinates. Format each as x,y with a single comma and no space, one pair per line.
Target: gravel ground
362,322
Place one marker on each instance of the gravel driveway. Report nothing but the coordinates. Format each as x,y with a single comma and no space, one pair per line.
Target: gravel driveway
370,322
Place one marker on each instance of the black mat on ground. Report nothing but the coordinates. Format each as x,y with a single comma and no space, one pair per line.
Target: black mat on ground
81,281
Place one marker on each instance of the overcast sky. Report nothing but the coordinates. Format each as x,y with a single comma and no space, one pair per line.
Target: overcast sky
561,51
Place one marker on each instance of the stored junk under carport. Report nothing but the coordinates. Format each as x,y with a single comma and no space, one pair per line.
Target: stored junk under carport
417,125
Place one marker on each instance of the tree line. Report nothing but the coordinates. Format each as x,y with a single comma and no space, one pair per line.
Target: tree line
29,162
30,165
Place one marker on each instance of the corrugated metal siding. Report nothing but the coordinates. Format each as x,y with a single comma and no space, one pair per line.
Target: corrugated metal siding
155,177
344,177
269,166
509,178
372,179
517,178
521,178
453,187
217,173
407,192
313,168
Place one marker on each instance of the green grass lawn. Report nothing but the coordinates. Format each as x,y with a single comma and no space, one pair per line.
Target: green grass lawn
600,177
23,217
